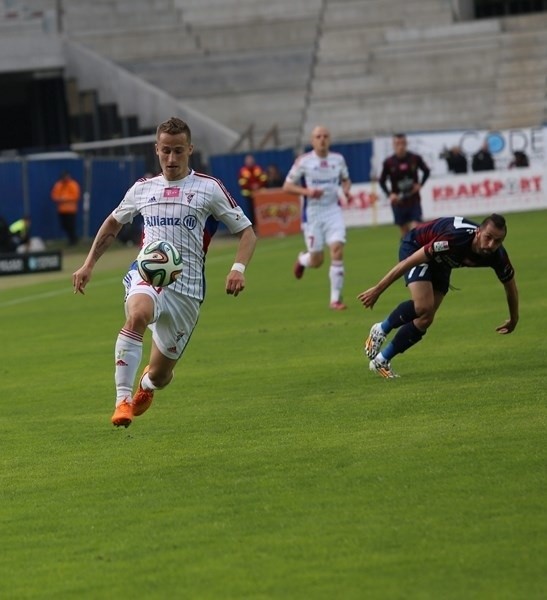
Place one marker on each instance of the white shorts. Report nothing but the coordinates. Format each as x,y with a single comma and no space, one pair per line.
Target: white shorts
324,230
175,315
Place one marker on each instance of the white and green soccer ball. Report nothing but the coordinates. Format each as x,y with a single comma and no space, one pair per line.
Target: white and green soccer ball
159,263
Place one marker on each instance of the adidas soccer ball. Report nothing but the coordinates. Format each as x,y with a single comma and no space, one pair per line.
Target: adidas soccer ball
159,263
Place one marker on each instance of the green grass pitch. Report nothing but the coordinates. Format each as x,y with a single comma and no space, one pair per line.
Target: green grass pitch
276,465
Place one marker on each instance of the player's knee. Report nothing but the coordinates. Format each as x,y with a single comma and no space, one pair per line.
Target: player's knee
139,311
425,315
337,252
424,322
138,319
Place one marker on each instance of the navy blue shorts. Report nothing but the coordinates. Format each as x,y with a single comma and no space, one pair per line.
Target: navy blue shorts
403,214
437,274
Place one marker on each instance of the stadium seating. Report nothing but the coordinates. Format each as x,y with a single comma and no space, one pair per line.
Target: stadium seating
248,63
364,67
409,74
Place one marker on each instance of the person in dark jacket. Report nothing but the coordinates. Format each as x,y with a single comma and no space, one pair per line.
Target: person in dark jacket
456,160
520,159
483,159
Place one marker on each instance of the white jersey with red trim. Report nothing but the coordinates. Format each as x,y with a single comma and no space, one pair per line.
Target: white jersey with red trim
177,211
324,173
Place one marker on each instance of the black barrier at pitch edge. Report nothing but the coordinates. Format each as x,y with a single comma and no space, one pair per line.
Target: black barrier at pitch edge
32,262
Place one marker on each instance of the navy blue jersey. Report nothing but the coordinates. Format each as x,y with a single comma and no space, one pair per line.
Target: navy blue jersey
447,242
403,174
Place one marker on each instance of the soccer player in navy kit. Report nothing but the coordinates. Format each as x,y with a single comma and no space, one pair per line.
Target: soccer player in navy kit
427,255
182,207
402,169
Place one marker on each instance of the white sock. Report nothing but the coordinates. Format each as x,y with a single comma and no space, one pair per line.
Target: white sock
304,259
146,382
127,360
380,357
336,276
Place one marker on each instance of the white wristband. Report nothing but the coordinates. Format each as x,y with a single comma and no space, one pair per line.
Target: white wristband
238,267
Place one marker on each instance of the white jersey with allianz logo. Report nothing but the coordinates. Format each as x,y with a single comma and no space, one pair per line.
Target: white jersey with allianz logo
178,211
325,173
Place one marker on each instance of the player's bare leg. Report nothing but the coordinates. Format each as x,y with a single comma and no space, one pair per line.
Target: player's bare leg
312,260
426,303
156,375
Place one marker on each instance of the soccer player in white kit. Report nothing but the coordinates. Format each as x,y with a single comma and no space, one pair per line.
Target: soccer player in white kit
182,207
318,177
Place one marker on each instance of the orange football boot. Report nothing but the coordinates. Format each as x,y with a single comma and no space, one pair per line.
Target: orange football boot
123,415
142,399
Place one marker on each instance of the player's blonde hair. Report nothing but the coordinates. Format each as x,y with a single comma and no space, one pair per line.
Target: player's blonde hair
174,126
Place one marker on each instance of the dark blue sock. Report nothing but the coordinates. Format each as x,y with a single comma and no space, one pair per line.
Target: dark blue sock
404,313
407,336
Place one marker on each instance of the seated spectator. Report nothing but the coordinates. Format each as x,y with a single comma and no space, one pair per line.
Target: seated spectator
483,159
20,233
455,160
520,159
22,241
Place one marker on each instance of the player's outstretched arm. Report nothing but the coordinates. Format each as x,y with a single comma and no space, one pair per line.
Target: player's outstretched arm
511,292
104,238
369,297
235,281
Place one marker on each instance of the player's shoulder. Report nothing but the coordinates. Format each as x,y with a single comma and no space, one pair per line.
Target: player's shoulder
147,181
338,156
215,182
204,177
304,158
216,185
415,156
456,229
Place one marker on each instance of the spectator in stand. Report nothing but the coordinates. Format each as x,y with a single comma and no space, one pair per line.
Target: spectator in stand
274,177
520,159
455,160
66,195
402,169
483,159
251,178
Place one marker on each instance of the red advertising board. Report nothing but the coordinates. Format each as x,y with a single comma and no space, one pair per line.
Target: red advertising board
276,213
